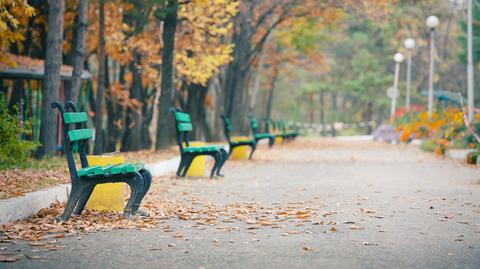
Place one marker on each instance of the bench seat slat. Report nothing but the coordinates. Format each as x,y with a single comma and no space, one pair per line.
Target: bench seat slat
87,170
201,149
262,136
110,169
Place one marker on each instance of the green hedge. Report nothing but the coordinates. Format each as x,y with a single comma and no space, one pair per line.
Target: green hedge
14,152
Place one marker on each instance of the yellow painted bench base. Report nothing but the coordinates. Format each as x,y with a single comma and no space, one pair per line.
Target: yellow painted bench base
197,168
109,196
240,152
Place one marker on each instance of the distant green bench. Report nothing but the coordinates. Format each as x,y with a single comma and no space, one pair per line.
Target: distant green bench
184,126
270,126
288,134
280,129
84,180
233,144
260,136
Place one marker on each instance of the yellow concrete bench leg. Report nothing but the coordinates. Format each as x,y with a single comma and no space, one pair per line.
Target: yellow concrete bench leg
197,168
241,152
109,196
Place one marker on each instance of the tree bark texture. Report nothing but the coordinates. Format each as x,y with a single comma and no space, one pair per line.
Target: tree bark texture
51,81
198,112
132,139
77,55
322,112
165,126
268,108
99,139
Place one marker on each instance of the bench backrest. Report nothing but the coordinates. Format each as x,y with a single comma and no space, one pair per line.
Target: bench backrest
75,135
183,125
227,127
266,125
254,125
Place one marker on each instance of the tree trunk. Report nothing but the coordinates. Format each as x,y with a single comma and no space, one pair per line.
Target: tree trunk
147,115
256,84
310,107
322,112
198,113
51,80
216,87
132,139
165,128
99,143
78,51
236,84
334,113
268,109
115,112
369,118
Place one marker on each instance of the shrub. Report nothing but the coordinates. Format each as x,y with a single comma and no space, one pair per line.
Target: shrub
428,145
14,152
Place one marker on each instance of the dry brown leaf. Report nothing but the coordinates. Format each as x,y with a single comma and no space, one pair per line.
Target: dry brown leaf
309,249
37,244
9,258
34,257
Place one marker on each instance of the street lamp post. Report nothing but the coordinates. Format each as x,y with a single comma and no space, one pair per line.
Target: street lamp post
432,23
409,45
470,81
398,57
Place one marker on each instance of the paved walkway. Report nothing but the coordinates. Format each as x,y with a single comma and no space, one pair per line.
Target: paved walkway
309,204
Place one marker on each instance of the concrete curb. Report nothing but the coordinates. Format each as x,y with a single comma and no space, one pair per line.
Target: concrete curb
24,206
29,204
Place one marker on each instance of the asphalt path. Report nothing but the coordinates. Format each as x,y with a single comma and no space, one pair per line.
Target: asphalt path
309,204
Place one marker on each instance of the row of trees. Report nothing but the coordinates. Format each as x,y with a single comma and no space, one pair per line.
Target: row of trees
209,57
359,54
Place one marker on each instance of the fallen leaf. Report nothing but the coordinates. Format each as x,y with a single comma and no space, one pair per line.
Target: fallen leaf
37,244
309,249
9,258
34,257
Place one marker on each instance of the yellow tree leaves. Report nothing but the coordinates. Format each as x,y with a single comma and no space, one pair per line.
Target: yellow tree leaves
11,13
199,48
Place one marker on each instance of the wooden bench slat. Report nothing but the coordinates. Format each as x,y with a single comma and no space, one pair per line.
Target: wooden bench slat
80,134
184,127
182,117
75,117
132,168
87,170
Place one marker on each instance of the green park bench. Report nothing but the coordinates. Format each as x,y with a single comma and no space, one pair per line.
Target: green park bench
260,136
233,144
271,126
288,134
184,126
84,180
